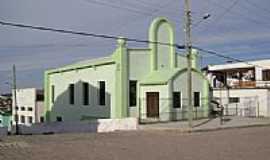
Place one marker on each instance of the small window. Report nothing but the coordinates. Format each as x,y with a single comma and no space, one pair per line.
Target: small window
41,119
85,94
102,91
52,95
266,75
22,108
0,121
197,99
71,94
22,119
17,108
16,118
59,119
132,93
234,100
30,119
30,109
177,100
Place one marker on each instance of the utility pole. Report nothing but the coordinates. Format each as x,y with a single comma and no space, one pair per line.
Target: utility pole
15,99
188,46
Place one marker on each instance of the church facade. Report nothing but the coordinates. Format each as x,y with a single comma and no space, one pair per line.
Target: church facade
147,83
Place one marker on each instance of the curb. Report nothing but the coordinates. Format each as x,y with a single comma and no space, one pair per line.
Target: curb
188,130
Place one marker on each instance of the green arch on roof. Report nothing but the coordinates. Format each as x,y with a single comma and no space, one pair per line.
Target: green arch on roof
153,35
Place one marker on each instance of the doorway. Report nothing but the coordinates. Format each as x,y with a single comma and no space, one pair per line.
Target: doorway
152,99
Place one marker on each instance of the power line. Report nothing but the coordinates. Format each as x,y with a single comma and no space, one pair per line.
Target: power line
129,9
226,57
226,11
240,14
117,7
151,14
218,18
257,6
149,6
86,34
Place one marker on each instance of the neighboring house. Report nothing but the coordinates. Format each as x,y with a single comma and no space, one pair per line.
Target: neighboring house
243,88
5,103
5,119
147,83
29,107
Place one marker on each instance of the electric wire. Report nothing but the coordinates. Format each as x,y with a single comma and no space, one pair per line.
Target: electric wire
87,34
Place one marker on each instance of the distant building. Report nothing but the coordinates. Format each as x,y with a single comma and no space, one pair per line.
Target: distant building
6,119
243,88
5,103
147,83
29,107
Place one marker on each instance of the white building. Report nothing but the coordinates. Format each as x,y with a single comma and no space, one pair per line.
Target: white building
29,106
243,88
147,83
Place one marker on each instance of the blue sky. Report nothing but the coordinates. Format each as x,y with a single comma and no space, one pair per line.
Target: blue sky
243,31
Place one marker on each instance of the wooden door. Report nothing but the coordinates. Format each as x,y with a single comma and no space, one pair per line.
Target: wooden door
152,99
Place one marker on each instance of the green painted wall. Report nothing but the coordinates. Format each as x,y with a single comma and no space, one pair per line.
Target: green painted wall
125,64
6,120
121,81
91,75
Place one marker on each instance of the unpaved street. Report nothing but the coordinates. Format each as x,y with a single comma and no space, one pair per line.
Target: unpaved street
235,144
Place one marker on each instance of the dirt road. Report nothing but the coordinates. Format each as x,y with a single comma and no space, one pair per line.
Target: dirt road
235,144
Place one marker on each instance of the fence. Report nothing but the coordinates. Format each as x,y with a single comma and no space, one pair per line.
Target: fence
167,110
241,106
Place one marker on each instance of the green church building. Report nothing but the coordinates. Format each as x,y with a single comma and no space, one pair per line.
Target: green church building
146,83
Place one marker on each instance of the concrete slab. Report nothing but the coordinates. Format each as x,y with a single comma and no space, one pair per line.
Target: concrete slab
208,124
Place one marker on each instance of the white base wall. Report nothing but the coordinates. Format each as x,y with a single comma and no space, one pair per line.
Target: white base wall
256,101
99,126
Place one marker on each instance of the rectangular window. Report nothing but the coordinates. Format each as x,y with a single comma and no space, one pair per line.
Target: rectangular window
71,94
102,91
52,95
22,119
30,109
266,75
16,118
59,119
22,108
132,93
85,94
197,99
41,119
30,119
177,100
234,100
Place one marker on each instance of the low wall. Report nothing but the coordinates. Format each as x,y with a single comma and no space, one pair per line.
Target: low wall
98,126
3,131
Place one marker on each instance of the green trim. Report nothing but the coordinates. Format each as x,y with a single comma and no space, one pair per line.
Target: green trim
138,49
47,96
120,110
153,31
164,76
78,67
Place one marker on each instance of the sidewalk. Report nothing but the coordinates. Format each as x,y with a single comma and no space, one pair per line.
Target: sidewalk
208,124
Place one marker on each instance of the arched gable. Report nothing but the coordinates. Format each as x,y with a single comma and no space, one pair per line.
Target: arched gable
162,56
